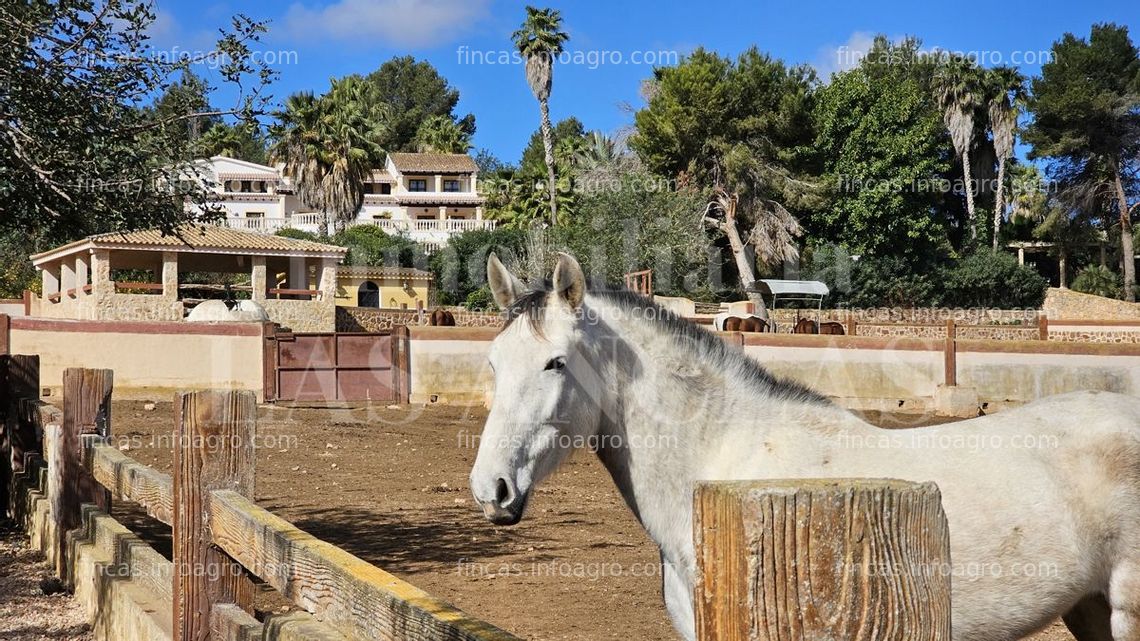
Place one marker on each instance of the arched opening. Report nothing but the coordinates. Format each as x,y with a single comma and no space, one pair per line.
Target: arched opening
368,295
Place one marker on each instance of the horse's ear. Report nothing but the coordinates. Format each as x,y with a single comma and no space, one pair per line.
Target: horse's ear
569,281
505,287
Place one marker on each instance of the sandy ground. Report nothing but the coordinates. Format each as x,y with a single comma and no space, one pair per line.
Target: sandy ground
390,485
26,614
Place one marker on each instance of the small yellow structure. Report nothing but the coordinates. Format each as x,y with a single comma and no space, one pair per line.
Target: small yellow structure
390,287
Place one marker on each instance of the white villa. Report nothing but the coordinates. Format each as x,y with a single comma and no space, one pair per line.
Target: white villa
427,197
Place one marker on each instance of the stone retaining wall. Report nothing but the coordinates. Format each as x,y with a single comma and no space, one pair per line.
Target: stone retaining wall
371,319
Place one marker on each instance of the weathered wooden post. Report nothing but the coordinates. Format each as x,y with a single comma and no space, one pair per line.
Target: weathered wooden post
950,354
23,439
7,405
86,410
821,560
214,451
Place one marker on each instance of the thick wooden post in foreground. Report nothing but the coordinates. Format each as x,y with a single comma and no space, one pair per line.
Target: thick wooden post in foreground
86,410
214,451
20,409
820,560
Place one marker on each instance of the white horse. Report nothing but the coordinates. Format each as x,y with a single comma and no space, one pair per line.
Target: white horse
1044,519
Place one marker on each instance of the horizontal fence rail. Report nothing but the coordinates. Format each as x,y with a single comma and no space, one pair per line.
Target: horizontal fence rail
221,537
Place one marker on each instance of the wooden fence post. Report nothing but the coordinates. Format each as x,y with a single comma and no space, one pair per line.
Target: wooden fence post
86,410
214,451
808,559
269,361
5,334
401,362
951,354
23,421
7,424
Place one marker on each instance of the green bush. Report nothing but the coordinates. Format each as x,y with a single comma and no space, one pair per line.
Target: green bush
460,268
297,234
1098,280
993,280
890,282
370,245
985,280
481,300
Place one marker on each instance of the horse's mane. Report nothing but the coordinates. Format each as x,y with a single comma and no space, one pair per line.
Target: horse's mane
685,334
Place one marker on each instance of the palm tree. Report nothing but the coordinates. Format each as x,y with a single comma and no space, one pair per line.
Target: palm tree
1005,96
957,89
598,151
328,145
770,239
539,40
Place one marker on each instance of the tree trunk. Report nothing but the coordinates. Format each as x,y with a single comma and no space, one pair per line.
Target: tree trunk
548,147
1126,242
999,201
745,266
969,186
323,228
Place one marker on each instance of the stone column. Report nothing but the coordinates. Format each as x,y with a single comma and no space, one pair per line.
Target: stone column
82,277
170,275
327,282
66,277
479,213
1020,255
50,280
438,182
443,213
101,273
257,279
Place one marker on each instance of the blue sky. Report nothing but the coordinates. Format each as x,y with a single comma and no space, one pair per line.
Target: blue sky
313,40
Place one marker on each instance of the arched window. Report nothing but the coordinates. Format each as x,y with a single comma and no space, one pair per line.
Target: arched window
368,295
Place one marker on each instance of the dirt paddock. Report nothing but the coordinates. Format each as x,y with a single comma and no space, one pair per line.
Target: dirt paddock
390,485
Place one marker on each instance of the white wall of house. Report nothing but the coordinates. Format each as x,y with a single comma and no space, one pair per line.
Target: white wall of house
424,220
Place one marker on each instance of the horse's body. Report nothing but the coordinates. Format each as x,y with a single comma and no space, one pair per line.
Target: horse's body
1043,502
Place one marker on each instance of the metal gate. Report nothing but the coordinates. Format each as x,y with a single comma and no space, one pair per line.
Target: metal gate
336,367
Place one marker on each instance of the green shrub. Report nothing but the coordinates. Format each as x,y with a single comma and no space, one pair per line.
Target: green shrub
481,300
370,245
297,234
993,280
890,282
460,268
1098,280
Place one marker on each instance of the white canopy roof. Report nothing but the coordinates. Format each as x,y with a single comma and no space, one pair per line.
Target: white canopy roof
792,287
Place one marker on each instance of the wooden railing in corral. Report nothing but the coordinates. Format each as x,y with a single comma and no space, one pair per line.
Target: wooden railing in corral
222,539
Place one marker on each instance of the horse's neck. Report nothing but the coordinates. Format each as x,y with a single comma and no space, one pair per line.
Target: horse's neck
672,414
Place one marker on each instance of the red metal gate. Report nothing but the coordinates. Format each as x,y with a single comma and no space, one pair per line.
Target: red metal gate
336,367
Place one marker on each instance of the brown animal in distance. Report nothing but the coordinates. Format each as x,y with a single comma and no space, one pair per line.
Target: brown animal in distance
442,318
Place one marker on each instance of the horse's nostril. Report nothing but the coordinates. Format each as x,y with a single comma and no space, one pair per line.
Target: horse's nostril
503,493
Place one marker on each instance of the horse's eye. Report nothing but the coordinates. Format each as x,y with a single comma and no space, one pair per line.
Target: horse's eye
555,363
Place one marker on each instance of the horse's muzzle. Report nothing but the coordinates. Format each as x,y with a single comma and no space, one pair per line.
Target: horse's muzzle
508,505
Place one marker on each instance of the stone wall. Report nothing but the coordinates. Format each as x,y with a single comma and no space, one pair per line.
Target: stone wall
1069,305
302,315
371,319
916,316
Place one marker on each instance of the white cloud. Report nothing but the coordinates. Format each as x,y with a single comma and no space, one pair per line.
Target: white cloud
833,59
403,23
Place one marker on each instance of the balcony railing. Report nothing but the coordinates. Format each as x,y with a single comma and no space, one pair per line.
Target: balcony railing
273,225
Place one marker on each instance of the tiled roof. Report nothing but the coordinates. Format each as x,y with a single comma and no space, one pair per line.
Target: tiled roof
378,271
192,238
426,163
213,237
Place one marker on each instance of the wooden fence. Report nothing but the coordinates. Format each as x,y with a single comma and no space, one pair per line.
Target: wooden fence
222,540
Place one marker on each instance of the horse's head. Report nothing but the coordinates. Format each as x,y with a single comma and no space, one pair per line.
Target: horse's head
545,389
